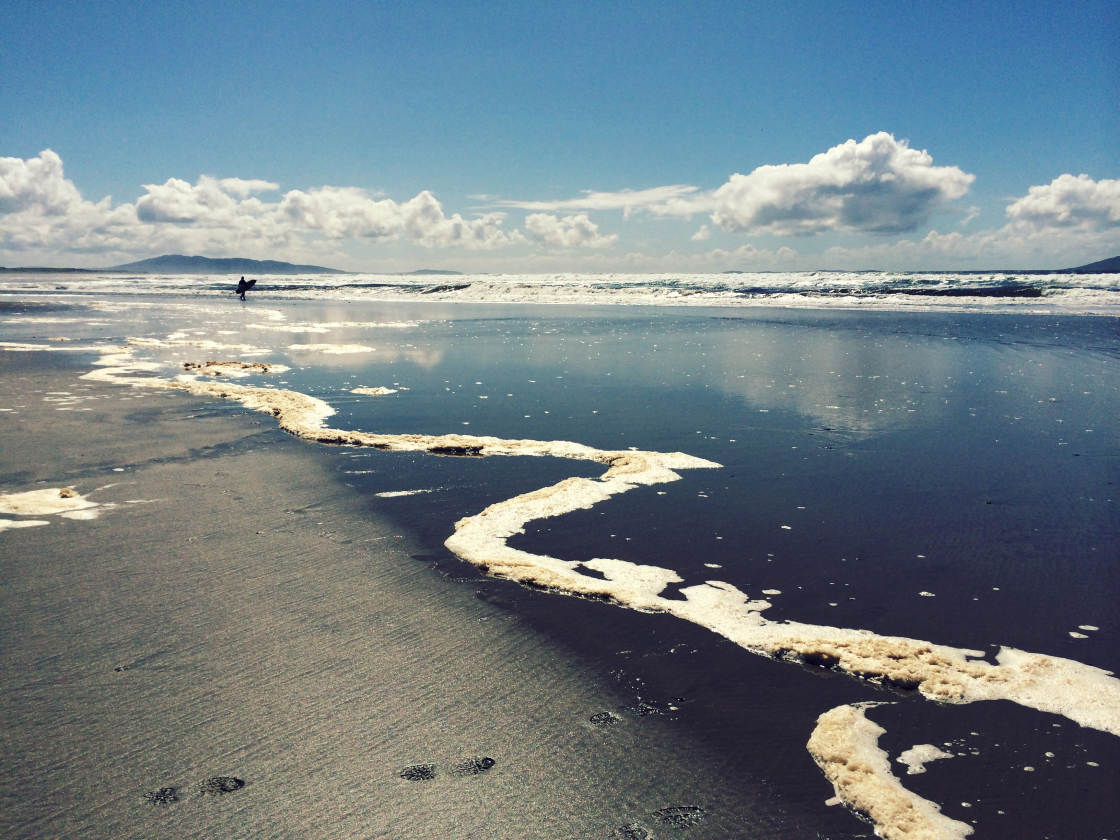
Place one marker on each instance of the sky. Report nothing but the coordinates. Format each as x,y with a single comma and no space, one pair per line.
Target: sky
527,137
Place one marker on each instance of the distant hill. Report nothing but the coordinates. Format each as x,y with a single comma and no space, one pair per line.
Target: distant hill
432,271
31,269
179,264
1109,266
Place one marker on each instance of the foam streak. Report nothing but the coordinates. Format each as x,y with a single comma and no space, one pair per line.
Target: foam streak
845,745
1087,695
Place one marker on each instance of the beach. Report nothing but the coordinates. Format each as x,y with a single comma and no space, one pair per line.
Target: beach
299,594
241,614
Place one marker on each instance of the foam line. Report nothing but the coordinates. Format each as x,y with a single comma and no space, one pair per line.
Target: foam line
231,368
1087,695
845,745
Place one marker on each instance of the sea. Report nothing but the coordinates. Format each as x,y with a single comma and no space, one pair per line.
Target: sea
746,497
865,289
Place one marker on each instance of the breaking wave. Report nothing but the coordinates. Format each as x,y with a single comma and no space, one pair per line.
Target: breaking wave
872,289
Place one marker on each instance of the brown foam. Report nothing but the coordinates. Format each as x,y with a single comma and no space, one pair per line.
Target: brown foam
845,745
1090,696
231,368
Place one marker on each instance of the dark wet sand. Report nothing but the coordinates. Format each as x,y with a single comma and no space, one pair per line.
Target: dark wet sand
257,619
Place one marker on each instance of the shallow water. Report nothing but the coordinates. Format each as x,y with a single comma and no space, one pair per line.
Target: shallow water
949,477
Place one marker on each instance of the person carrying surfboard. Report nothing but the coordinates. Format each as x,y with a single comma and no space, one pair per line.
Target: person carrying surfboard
243,287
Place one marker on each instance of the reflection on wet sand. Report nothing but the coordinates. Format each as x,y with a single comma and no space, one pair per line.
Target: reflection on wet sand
1087,695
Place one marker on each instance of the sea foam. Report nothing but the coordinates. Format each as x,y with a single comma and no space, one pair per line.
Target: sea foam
1087,695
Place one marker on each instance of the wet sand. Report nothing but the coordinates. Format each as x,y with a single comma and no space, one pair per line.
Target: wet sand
279,620
243,616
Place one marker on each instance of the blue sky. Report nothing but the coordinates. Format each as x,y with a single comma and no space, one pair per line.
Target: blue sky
639,136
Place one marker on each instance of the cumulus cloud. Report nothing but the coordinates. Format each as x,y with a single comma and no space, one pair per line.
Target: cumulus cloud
1069,202
576,231
341,213
426,223
244,187
40,210
178,201
36,185
1070,221
1009,247
876,185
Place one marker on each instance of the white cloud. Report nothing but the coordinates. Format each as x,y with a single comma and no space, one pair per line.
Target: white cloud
176,200
576,231
36,185
1068,202
1070,221
1008,247
876,185
426,223
42,212
673,199
243,187
341,213
969,216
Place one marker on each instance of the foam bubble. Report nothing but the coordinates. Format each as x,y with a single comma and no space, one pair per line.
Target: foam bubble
918,756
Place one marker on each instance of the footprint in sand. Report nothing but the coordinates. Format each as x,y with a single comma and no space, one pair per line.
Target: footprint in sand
632,831
604,719
426,772
680,816
419,772
163,796
474,766
216,785
219,785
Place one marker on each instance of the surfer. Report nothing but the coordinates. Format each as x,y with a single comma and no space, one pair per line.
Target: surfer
243,287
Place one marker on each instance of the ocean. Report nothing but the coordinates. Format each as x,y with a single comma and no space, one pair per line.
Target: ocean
888,498
851,289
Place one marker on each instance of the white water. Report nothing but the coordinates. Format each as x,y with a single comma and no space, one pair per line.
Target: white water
1055,292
